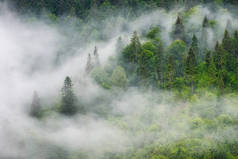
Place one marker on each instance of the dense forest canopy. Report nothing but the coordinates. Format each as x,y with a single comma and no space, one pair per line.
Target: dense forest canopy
119,79
83,8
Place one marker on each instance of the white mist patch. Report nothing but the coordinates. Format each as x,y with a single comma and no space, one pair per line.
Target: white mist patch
28,51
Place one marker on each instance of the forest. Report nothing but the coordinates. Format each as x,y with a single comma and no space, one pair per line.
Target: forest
111,79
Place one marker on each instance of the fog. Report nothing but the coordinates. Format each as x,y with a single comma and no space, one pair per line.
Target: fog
31,59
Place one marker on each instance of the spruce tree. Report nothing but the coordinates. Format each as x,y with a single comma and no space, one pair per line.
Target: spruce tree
205,23
191,68
236,43
159,64
195,47
170,72
229,47
228,44
68,105
208,58
179,33
96,57
136,47
35,110
204,34
89,65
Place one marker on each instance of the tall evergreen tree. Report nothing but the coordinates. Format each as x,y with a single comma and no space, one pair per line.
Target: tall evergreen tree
205,23
236,43
208,58
195,47
220,58
68,105
170,73
204,34
229,47
136,47
159,63
35,110
89,65
191,68
228,44
179,32
96,57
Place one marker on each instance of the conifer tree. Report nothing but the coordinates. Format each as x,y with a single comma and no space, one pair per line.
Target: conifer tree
159,64
68,105
205,23
35,110
208,58
191,68
204,35
227,43
96,57
136,47
89,65
195,47
229,47
220,58
210,67
229,26
236,43
179,33
170,72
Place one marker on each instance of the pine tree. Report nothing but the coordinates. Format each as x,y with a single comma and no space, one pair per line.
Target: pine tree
221,54
170,72
195,47
35,110
236,43
204,35
179,32
159,65
229,47
229,26
136,47
191,68
208,58
89,65
96,57
228,44
205,23
68,105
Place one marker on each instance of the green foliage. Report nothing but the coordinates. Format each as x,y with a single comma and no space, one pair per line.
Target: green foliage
153,33
68,105
118,77
101,77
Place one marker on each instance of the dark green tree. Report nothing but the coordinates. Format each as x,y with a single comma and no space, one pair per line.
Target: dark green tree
89,65
236,43
68,105
170,73
208,58
195,47
191,68
136,47
96,57
132,51
179,32
228,44
204,34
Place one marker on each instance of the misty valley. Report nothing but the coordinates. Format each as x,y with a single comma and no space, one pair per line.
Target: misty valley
119,79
